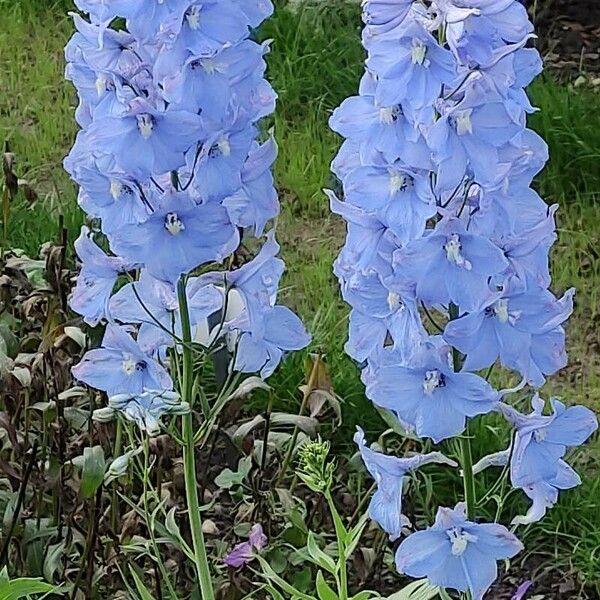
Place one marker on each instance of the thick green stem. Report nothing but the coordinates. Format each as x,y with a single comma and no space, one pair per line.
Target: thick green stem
189,458
465,441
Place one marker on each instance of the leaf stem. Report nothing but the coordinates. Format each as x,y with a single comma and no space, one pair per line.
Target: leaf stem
189,459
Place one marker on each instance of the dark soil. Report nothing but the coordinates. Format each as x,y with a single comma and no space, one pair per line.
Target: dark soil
569,32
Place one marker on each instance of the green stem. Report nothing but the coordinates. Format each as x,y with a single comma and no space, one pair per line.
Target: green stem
114,506
465,441
189,459
468,478
340,535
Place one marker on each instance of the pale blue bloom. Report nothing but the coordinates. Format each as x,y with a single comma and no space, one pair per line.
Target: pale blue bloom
97,278
521,327
428,397
450,264
541,442
182,236
389,472
146,141
146,409
120,366
263,344
411,68
456,553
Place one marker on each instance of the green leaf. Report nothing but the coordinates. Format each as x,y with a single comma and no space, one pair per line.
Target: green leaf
141,588
355,534
417,590
323,589
24,587
270,575
318,556
228,479
53,559
92,474
275,595
366,595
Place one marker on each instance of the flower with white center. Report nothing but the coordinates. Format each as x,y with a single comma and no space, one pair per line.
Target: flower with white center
145,125
418,53
173,224
433,380
463,122
453,250
460,540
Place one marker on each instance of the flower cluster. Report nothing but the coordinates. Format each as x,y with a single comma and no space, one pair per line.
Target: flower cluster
446,264
172,165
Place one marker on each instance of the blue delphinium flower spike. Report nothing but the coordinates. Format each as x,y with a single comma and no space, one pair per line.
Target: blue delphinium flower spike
170,168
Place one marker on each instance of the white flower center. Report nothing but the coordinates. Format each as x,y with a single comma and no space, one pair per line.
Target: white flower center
460,540
220,148
173,224
418,52
389,115
394,301
209,65
398,182
463,121
101,86
453,249
193,17
540,435
116,189
501,310
433,380
145,125
129,365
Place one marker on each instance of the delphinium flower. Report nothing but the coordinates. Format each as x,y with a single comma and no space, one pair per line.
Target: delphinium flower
171,169
446,262
174,170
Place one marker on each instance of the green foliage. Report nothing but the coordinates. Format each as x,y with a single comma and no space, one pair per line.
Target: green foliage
16,589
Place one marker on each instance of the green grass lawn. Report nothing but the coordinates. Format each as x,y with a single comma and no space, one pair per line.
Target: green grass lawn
315,63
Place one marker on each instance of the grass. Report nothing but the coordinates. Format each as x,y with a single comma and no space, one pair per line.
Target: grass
314,64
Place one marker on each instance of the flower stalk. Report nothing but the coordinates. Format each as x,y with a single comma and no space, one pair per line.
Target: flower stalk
189,456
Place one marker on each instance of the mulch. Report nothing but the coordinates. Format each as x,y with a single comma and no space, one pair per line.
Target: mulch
569,35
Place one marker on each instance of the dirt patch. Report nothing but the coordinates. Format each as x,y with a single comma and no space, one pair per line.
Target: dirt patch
569,33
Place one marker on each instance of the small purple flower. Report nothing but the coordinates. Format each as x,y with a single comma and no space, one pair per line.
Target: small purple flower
244,553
